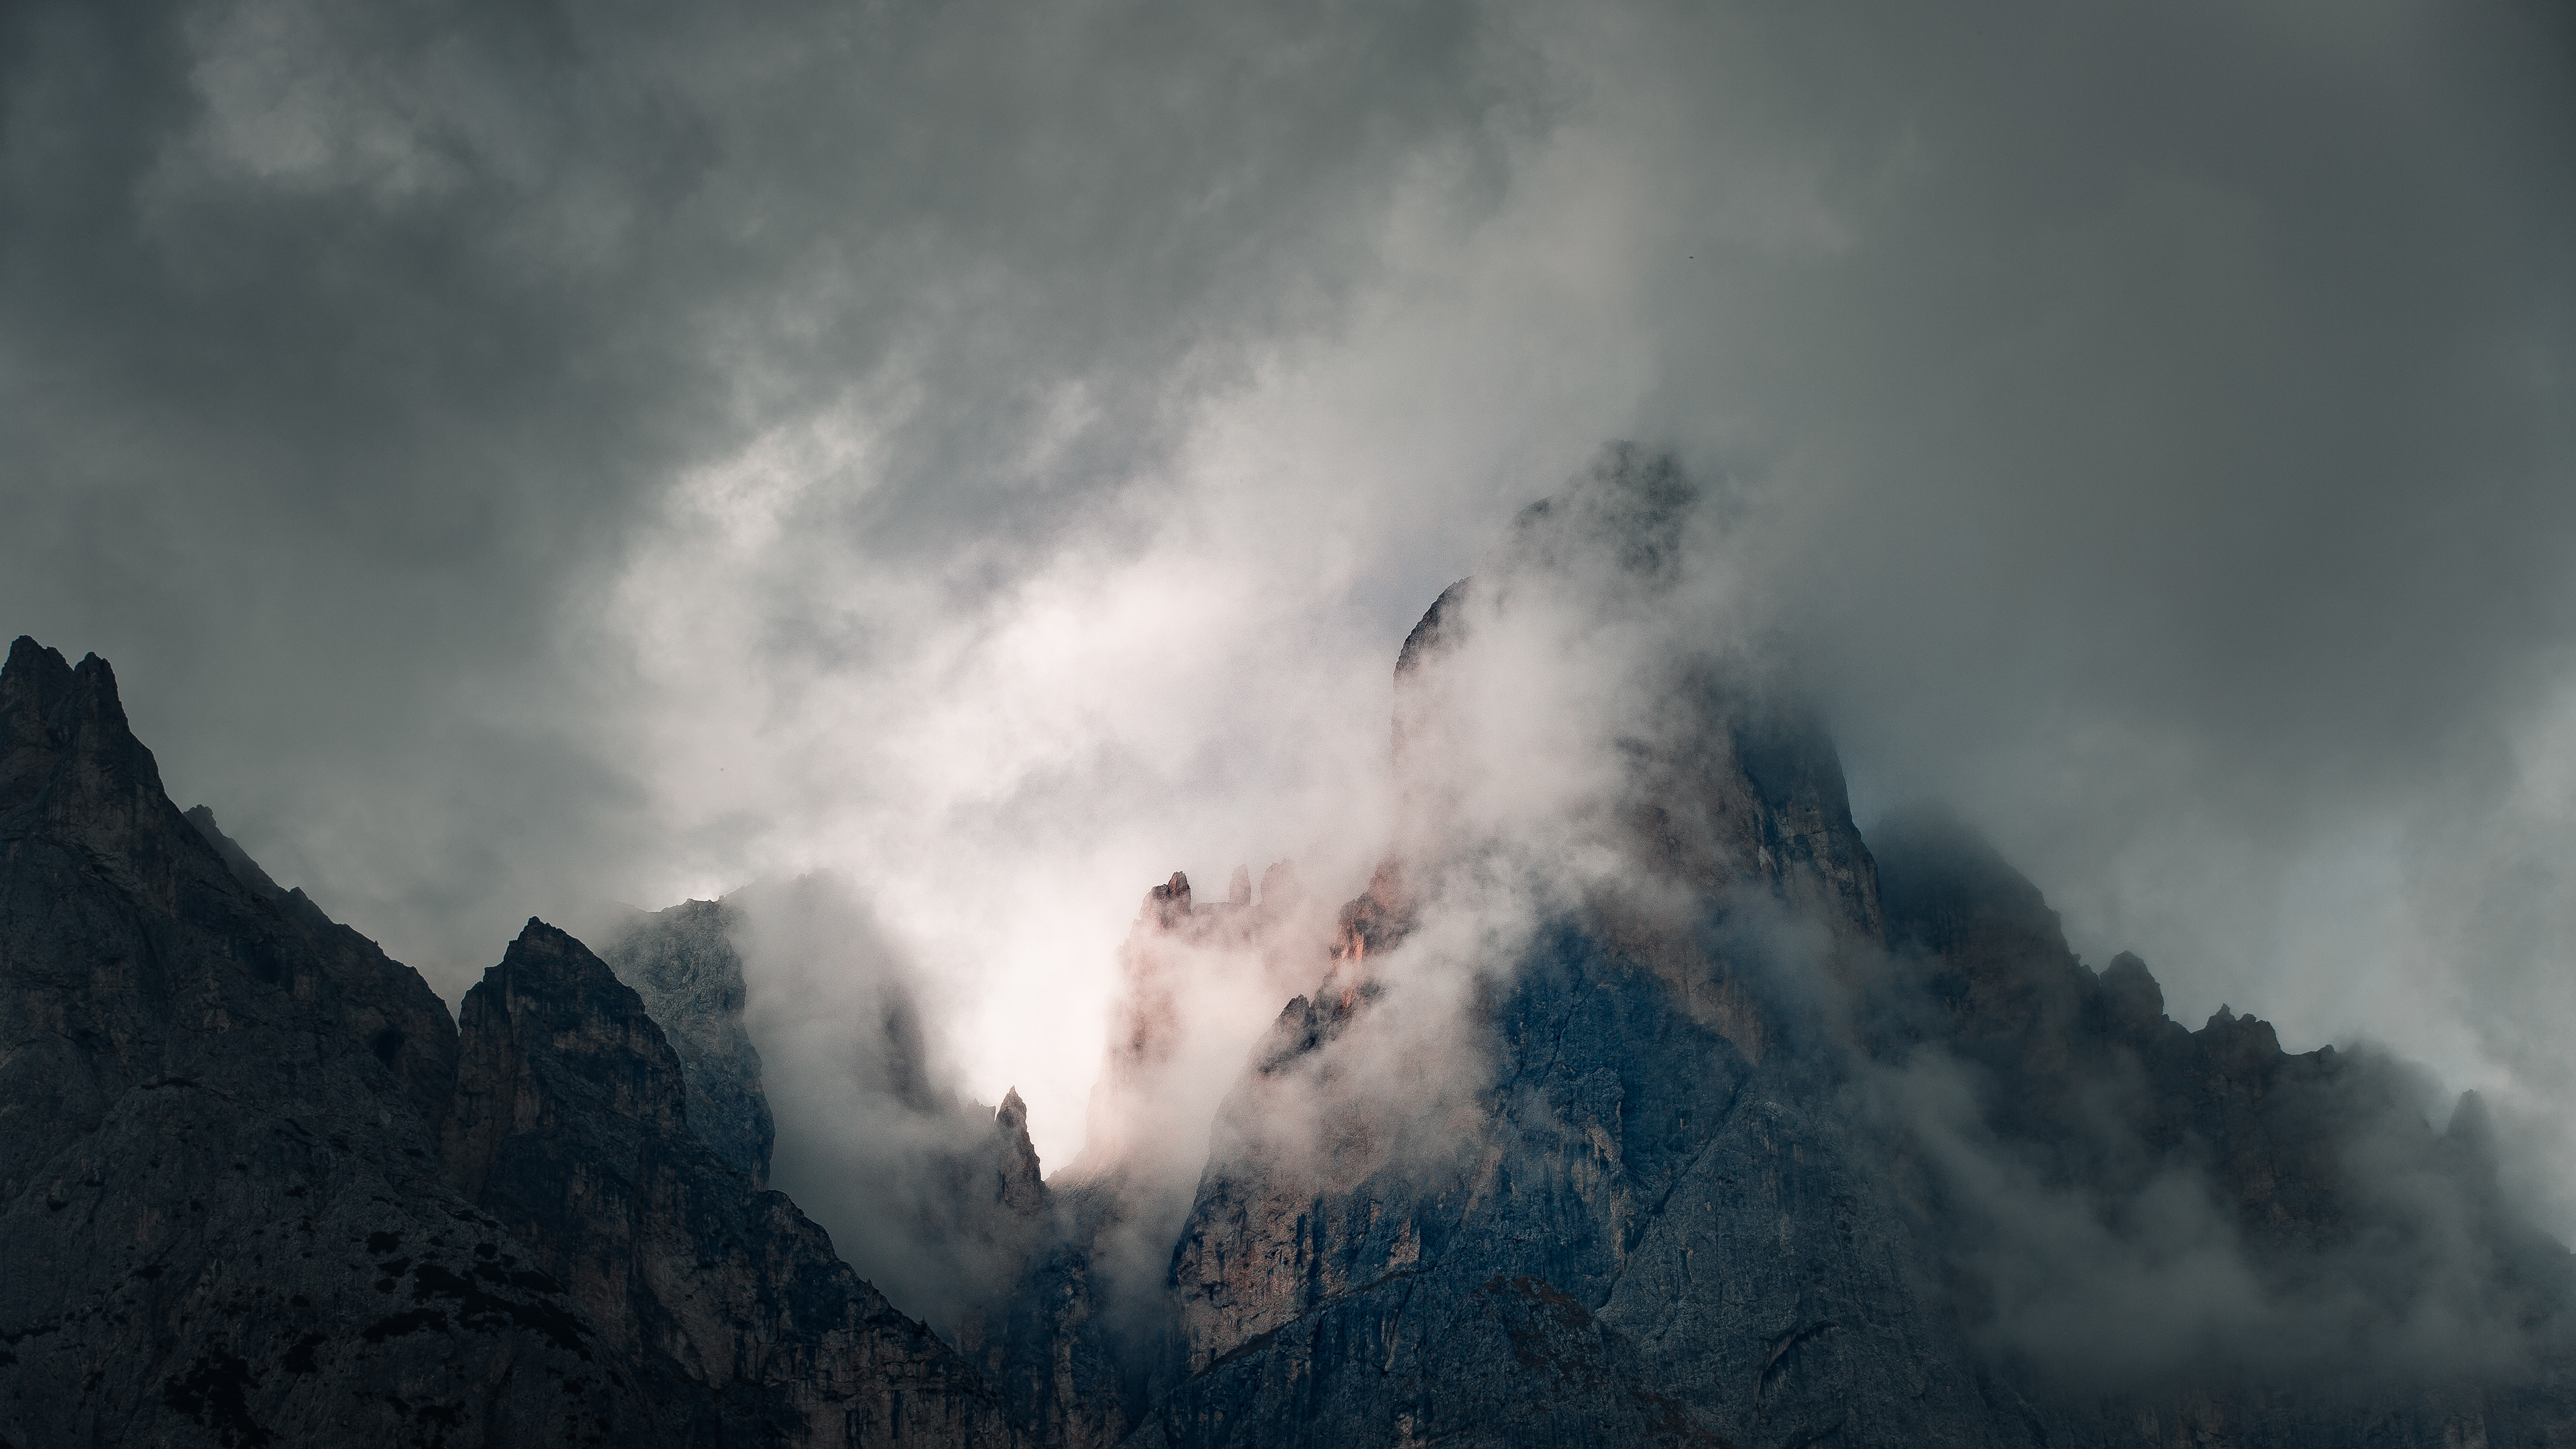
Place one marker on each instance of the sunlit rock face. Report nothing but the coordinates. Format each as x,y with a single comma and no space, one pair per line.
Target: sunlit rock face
1647,1103
1635,1100
1089,1339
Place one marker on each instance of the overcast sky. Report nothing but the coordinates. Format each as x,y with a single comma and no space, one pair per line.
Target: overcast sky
518,456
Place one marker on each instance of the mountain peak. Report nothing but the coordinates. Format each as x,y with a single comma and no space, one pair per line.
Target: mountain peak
70,762
64,704
37,677
33,665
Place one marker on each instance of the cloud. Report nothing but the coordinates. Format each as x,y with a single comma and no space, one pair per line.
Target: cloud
2142,1272
523,456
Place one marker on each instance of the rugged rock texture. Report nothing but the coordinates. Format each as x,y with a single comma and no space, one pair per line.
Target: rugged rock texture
2346,1269
221,1124
218,1173
571,1128
1695,1120
1089,1336
683,964
1769,1139
1628,1229
382,1002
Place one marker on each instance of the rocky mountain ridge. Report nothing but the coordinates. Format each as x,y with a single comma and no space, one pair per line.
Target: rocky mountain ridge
1667,1109
223,1123
683,965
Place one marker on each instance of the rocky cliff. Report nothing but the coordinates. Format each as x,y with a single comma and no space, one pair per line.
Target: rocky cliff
1747,1133
683,964
571,1129
1637,1099
1088,1337
219,1177
222,1124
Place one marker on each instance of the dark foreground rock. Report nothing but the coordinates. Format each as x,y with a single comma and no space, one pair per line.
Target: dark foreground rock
222,1193
571,1128
224,1218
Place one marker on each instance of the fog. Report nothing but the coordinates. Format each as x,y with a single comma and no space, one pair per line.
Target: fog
522,458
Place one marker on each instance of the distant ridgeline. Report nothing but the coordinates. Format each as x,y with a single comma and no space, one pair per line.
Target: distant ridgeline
1759,1134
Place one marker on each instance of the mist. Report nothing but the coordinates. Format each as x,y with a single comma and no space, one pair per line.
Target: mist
519,460
1607,768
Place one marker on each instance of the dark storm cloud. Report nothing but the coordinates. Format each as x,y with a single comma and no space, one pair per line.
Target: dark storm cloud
2213,372
345,344
2157,426
519,454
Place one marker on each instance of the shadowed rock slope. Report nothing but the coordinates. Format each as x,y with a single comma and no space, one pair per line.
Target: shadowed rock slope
219,1180
2145,1225
571,1128
221,1129
383,1003
682,962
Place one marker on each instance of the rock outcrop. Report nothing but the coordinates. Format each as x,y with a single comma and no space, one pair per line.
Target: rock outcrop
1768,1138
571,1129
1590,1211
682,962
1637,1099
243,1157
219,1180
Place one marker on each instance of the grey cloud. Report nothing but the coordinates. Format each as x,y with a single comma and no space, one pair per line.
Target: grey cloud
924,1193
2154,1280
348,348
2155,426
2151,424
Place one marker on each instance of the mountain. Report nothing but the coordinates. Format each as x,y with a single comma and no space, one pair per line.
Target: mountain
1616,1195
1088,1337
571,1129
681,962
1676,1113
258,1190
1638,1098
2145,1223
